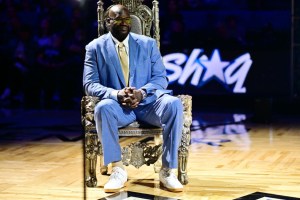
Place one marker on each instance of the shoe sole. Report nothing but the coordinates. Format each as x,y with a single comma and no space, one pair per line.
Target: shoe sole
113,190
171,189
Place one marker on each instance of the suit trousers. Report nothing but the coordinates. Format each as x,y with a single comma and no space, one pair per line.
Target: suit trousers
166,112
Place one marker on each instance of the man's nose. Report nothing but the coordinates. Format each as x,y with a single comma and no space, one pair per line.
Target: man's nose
123,22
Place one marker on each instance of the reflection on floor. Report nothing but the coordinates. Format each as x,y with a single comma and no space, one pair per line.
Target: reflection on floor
217,128
127,195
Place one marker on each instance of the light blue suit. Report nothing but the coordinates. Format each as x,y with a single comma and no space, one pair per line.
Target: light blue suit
103,74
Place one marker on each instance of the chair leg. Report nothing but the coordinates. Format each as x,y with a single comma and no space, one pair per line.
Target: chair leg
157,165
182,168
90,154
90,173
183,155
103,168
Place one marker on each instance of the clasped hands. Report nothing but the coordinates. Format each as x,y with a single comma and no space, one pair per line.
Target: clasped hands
130,97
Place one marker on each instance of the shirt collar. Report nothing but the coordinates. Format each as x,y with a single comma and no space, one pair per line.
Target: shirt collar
125,41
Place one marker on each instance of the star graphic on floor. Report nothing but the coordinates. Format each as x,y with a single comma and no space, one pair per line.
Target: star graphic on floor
214,67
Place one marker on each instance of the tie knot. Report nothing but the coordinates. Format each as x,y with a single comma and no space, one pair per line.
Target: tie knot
121,45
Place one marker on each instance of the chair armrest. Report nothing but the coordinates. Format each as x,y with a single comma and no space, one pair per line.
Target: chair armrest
186,101
87,111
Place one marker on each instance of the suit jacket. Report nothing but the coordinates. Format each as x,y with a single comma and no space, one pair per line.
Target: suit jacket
103,72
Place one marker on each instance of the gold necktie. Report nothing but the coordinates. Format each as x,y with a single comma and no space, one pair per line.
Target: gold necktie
124,61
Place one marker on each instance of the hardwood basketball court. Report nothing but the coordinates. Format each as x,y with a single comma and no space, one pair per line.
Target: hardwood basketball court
43,160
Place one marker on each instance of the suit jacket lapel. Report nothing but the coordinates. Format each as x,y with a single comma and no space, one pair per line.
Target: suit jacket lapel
113,56
133,53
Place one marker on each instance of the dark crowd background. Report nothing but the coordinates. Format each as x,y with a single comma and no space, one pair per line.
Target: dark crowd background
42,43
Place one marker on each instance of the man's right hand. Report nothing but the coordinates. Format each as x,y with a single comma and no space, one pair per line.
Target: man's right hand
123,97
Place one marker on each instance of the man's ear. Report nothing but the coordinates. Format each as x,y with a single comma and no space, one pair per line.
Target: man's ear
107,24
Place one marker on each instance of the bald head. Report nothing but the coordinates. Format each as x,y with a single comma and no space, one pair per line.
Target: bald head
117,10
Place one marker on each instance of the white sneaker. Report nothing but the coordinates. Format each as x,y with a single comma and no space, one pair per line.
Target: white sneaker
116,180
168,179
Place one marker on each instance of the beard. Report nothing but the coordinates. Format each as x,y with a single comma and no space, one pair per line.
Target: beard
120,32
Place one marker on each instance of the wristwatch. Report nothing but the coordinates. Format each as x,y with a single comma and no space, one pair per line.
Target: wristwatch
144,94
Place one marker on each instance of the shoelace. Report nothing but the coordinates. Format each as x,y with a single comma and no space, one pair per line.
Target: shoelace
116,175
168,174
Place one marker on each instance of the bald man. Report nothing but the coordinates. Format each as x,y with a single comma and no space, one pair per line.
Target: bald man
131,88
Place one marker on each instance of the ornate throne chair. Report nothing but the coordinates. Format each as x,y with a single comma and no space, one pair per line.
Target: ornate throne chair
144,21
